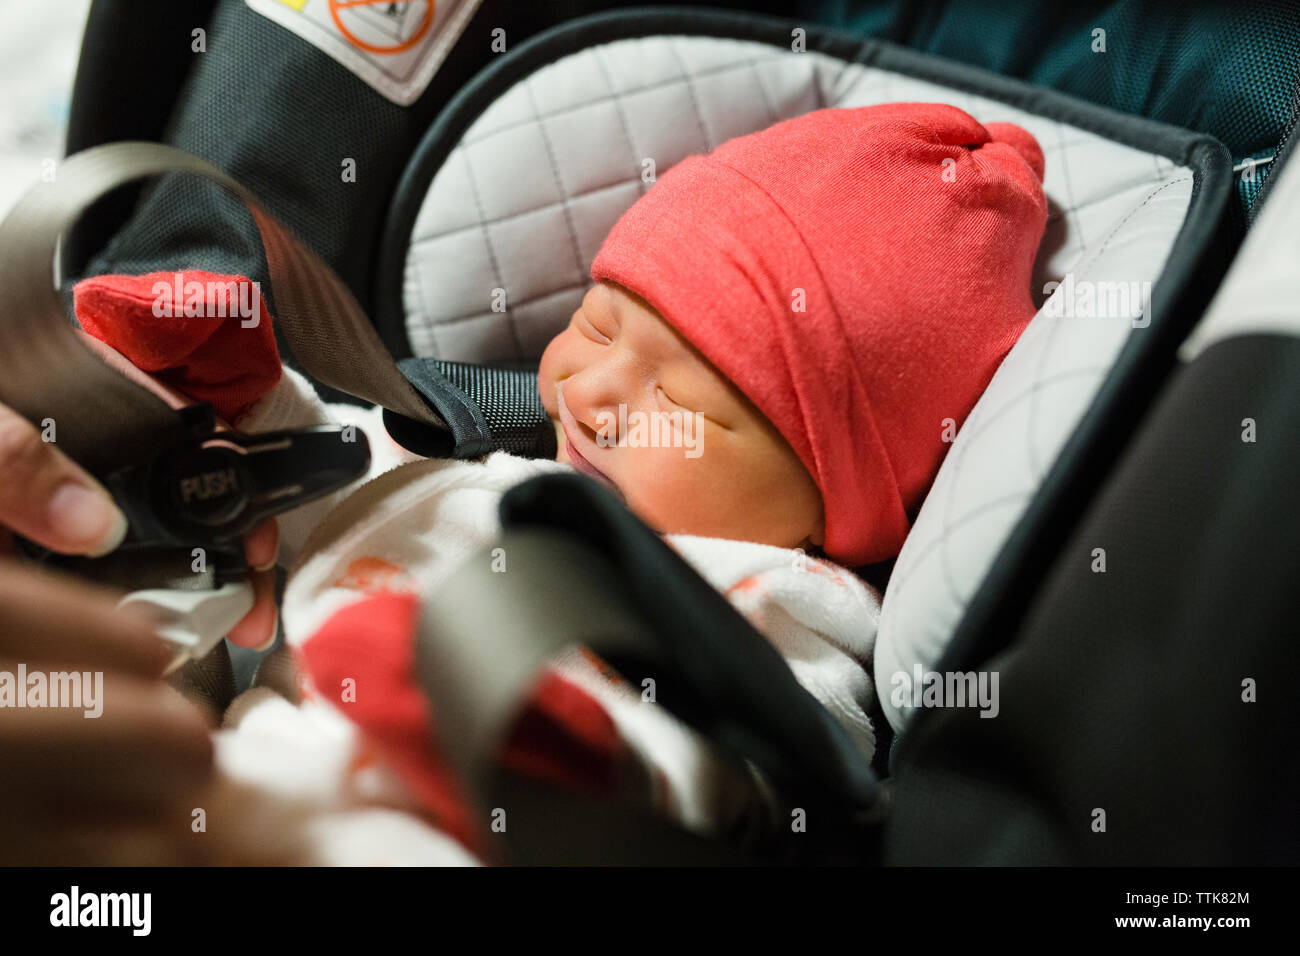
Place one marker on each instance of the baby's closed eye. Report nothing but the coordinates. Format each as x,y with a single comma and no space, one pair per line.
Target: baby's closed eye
590,330
689,403
664,396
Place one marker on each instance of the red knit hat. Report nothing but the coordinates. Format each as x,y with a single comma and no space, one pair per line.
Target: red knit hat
859,274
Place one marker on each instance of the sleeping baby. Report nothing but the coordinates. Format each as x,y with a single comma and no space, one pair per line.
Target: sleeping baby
780,340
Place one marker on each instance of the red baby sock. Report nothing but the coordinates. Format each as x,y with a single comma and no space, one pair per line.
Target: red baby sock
564,735
208,336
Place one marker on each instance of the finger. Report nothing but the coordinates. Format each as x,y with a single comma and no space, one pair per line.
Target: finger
225,823
258,628
262,545
50,840
45,497
63,621
115,744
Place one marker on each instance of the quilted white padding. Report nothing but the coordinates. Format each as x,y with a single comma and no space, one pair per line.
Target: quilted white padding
524,201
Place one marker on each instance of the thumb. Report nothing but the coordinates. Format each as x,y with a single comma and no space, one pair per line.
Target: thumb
44,496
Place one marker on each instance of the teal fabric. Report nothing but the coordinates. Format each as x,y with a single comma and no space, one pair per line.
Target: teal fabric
1227,69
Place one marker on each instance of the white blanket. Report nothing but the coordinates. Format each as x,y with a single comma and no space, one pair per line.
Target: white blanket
420,518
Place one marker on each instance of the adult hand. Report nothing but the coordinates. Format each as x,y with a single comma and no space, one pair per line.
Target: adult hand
48,498
119,788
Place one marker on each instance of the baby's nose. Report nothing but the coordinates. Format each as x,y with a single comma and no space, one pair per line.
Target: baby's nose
591,393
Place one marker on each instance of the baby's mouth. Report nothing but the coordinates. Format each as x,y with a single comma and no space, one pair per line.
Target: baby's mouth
577,460
568,424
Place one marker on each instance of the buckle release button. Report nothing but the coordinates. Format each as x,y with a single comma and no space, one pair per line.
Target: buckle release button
209,486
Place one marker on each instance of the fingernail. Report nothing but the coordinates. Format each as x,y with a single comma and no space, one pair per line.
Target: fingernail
275,633
269,563
86,517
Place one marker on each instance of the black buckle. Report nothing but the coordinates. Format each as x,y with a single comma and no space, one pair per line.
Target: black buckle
211,488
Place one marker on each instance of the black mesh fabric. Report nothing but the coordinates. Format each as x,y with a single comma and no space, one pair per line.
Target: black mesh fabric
486,408
509,401
1227,69
280,118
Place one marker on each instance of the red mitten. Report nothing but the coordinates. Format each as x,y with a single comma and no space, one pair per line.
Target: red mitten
192,330
564,736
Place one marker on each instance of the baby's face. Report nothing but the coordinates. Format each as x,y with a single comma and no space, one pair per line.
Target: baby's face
636,406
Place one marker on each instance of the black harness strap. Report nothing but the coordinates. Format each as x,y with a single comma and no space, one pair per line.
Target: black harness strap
485,409
102,419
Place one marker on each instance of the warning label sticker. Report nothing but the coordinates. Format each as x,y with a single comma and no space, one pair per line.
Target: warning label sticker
396,46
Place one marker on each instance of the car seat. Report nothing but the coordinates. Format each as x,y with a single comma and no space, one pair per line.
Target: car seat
470,189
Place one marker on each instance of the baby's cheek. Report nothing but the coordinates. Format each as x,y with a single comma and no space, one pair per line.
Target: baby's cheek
728,491
549,371
674,493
